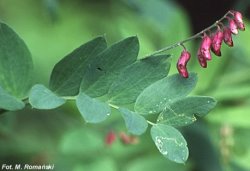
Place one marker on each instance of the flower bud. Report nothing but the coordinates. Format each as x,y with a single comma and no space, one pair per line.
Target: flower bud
238,20
202,60
205,47
216,42
128,139
182,63
228,37
233,26
110,138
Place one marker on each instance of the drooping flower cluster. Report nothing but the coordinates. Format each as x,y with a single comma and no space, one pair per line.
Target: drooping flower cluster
110,138
124,138
213,42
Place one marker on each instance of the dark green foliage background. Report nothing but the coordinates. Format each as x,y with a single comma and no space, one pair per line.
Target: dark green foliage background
52,29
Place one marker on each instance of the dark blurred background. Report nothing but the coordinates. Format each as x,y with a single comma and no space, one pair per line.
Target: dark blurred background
53,28
203,13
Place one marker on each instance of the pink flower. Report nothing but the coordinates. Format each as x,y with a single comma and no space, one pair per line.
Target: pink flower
202,60
128,139
182,63
216,42
238,20
205,47
110,138
228,37
233,26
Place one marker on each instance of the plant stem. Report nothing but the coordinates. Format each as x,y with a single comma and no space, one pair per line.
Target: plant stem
190,38
114,106
70,97
151,123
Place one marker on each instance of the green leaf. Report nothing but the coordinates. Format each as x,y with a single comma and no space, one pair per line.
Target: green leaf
154,98
136,77
105,68
170,117
68,73
9,102
182,111
92,110
170,142
135,123
16,64
42,98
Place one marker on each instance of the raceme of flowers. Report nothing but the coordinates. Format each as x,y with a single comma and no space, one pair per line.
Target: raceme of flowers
212,42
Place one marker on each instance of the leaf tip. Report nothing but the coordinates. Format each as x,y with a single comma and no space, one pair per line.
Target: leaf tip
133,39
101,38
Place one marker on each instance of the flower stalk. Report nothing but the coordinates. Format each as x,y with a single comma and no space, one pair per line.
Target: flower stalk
210,41
197,35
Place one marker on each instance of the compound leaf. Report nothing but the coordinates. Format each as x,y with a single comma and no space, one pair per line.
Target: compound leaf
16,63
154,98
135,123
68,73
42,98
9,102
182,112
105,68
170,142
136,77
92,110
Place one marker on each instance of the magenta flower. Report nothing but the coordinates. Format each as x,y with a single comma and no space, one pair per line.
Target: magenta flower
205,47
202,60
238,20
216,42
182,63
233,26
210,42
228,37
110,138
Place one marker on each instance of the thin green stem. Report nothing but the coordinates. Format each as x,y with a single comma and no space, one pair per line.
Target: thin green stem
151,123
197,35
70,97
113,106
